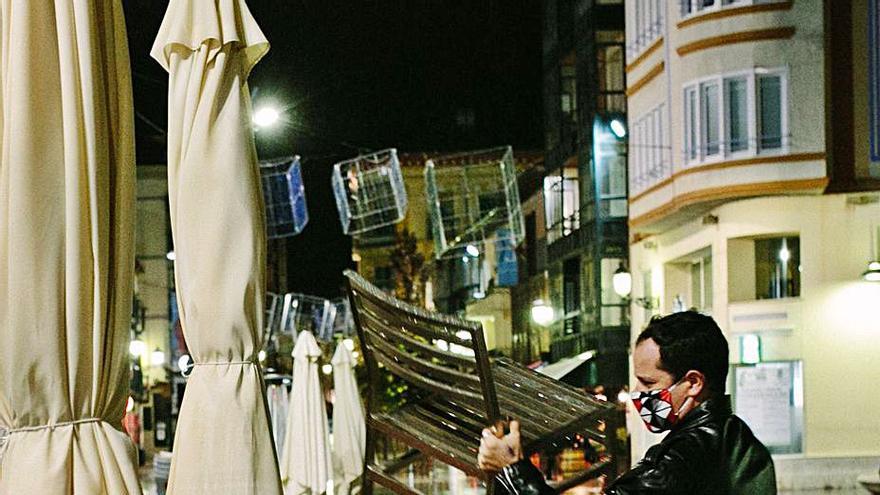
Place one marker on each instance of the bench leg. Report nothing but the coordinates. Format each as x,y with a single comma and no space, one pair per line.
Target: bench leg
369,460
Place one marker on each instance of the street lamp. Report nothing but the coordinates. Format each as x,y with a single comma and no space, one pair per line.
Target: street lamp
542,314
157,358
622,281
265,116
618,128
137,348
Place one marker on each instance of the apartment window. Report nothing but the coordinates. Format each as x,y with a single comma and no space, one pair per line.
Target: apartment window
568,95
777,267
647,150
691,7
691,124
562,203
571,294
770,116
737,114
710,122
701,283
611,67
647,25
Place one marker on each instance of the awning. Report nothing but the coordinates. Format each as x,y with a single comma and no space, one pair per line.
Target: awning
559,369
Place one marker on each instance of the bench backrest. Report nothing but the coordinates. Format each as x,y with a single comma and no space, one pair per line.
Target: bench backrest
433,352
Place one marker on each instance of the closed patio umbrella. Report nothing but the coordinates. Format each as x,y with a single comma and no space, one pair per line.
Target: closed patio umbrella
306,460
67,178
223,442
349,434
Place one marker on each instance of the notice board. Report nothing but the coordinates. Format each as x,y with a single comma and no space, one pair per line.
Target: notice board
769,398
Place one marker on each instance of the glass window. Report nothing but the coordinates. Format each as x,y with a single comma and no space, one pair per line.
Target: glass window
568,83
561,204
691,123
710,121
611,68
737,114
777,267
701,284
770,112
571,294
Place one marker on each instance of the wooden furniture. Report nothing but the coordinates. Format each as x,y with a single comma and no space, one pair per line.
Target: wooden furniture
457,390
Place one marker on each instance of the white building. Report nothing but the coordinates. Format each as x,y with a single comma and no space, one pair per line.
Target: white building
754,168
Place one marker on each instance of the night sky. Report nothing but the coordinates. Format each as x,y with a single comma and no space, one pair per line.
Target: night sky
356,76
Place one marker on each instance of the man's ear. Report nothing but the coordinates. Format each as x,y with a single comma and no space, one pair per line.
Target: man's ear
697,381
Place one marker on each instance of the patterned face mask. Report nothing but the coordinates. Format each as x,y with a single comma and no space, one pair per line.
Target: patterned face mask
655,408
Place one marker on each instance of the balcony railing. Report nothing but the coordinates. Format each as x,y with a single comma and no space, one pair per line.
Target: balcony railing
571,345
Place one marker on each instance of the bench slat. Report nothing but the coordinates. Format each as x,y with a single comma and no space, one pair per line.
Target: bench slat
421,381
434,372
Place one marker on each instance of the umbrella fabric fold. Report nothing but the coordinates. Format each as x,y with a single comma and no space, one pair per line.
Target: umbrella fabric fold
349,431
306,460
223,442
279,403
67,179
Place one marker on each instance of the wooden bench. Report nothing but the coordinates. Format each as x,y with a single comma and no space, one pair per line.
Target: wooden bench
458,391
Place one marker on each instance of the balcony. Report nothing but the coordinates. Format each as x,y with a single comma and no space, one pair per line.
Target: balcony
571,345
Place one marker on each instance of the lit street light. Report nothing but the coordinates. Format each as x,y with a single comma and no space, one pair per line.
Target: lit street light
618,128
542,314
622,281
265,117
137,348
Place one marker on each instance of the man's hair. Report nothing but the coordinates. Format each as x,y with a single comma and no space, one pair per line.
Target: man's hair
690,341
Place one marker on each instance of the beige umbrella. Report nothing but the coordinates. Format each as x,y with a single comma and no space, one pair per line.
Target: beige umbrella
223,442
67,177
349,433
306,461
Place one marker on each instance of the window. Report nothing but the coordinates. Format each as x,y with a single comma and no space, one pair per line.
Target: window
646,27
690,105
710,121
611,70
777,267
701,283
770,117
562,203
647,150
568,94
688,281
690,7
571,295
738,114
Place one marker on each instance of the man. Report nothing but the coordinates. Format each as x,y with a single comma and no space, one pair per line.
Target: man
680,363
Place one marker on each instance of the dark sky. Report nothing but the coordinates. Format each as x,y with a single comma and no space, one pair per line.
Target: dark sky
367,75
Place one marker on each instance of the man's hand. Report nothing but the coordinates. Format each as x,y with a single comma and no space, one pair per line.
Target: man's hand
496,453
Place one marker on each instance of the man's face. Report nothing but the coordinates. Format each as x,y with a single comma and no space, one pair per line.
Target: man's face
646,365
649,376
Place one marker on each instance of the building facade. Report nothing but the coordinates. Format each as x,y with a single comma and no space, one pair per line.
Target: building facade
585,187
753,180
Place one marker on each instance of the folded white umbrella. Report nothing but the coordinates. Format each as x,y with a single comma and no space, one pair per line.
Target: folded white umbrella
305,465
279,404
223,442
67,216
349,433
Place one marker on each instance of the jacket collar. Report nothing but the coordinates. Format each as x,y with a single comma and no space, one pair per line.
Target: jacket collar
711,409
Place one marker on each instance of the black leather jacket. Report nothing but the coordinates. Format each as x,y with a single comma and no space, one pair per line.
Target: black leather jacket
710,451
